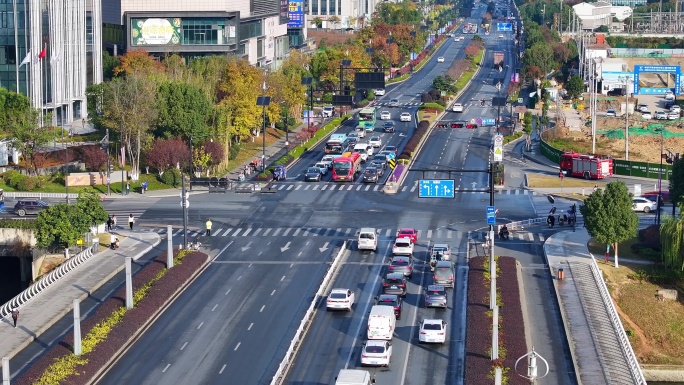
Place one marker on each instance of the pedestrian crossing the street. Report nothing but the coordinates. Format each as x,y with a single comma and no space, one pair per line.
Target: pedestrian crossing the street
340,232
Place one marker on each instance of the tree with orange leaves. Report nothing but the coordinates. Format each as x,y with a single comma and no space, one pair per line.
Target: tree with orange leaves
140,62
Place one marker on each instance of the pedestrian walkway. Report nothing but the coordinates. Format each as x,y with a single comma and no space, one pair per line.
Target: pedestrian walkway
601,352
48,307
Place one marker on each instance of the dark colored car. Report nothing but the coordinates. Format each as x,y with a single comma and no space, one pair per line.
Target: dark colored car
444,274
653,196
394,283
370,175
402,265
391,300
388,127
29,207
394,149
312,174
436,296
352,141
379,161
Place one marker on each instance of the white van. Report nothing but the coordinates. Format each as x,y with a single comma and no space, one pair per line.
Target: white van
364,149
381,323
368,239
354,377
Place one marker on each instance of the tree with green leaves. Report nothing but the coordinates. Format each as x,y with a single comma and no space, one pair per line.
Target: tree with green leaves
575,87
88,202
608,216
61,225
672,241
677,183
183,111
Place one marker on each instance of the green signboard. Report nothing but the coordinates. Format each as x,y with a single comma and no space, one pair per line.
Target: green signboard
155,31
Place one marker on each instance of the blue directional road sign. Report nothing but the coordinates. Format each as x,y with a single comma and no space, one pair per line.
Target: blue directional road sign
491,215
488,122
436,188
503,27
391,155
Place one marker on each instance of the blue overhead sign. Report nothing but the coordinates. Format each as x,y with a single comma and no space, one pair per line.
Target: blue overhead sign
504,27
436,188
488,122
491,215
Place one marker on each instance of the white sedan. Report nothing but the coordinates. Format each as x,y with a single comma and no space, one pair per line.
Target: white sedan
432,330
379,91
340,299
377,353
375,141
322,166
385,115
440,59
643,204
405,117
328,160
458,107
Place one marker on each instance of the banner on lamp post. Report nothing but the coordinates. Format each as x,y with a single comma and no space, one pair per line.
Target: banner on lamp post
123,156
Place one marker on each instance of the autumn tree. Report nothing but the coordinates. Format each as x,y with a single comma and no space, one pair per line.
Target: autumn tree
237,95
137,61
540,55
471,50
183,111
167,153
458,68
130,111
94,157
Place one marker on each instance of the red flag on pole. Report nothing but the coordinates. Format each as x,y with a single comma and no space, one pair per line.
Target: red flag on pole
42,54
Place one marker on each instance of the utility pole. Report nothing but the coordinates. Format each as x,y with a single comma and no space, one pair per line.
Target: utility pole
109,169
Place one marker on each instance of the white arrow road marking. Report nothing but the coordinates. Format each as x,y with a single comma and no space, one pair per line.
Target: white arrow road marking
324,248
245,248
286,247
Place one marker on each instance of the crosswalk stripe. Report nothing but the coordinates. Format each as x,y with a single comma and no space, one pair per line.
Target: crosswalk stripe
404,188
346,233
377,187
429,234
216,233
237,232
541,237
226,232
530,236
290,187
418,234
367,187
177,232
325,186
327,232
287,231
296,232
415,186
256,232
338,231
316,187
300,186
281,187
275,233
388,233
268,230
449,234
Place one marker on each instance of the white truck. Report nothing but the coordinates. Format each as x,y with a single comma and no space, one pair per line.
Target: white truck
381,323
368,239
354,377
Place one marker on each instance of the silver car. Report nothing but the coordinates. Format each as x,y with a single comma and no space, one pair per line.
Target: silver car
443,274
402,265
443,249
436,296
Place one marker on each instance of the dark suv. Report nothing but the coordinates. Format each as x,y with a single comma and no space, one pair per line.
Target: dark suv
391,300
394,283
29,207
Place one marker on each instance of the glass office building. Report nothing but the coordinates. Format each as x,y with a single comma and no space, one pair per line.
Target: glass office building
49,51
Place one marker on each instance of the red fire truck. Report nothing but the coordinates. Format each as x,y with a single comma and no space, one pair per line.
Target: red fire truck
586,166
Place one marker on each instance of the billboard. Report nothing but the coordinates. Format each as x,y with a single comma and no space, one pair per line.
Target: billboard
645,68
155,31
296,13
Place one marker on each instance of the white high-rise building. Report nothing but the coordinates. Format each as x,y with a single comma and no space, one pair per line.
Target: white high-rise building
351,13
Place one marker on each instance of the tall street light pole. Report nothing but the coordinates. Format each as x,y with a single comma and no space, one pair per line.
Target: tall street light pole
625,79
109,170
287,126
263,101
499,85
309,82
660,175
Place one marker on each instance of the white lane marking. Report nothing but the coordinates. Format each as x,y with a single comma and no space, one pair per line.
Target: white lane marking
228,291
222,368
292,264
237,346
247,232
275,233
200,325
166,367
250,326
365,310
262,308
250,265
268,230
226,232
239,278
184,345
214,308
281,279
541,237
237,232
221,252
413,322
256,232
273,292
287,231
216,233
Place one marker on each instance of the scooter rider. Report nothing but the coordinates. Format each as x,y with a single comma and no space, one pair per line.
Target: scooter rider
503,232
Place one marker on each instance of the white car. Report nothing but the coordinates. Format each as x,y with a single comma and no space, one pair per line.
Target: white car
405,117
340,299
673,115
458,107
440,59
402,246
385,115
328,160
643,204
375,141
675,108
360,132
376,353
379,92
501,36
432,330
643,107
670,96
661,115
646,115
322,166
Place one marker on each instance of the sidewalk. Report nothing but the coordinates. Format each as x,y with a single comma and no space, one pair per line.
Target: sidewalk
49,306
597,352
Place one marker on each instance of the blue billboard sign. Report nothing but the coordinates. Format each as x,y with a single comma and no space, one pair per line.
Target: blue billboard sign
645,68
296,12
504,27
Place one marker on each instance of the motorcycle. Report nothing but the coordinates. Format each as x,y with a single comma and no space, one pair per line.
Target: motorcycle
504,235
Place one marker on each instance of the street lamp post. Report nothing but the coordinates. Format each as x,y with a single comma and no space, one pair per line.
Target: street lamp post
263,101
499,85
625,79
109,170
309,82
287,126
660,176
66,165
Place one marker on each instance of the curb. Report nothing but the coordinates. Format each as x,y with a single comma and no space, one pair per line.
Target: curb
54,320
134,337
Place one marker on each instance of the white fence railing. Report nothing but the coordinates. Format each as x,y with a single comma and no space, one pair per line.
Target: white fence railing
39,195
46,281
286,363
634,367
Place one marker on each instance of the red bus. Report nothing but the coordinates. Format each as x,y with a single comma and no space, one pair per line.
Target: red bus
346,167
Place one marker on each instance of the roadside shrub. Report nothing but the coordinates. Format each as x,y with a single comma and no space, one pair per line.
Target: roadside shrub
425,98
649,237
171,177
8,175
432,106
362,103
15,179
26,184
233,151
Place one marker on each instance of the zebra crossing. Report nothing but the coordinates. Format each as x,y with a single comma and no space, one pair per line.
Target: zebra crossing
332,186
406,104
527,236
340,232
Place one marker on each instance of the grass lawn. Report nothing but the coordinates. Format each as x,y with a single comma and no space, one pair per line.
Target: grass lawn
624,250
429,116
655,328
547,181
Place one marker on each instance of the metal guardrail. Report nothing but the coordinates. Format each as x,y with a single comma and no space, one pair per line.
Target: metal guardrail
286,363
39,195
632,361
46,281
